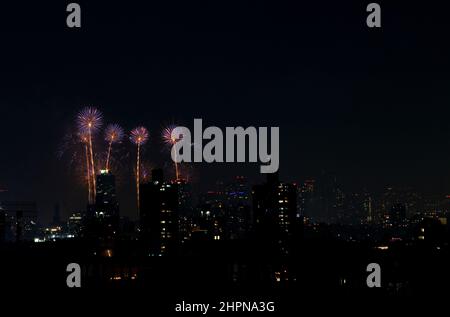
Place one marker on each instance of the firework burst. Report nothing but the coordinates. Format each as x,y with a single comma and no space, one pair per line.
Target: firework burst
113,134
167,135
89,120
138,136
170,140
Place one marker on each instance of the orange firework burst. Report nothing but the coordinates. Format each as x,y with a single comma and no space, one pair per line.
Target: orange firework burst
138,136
113,134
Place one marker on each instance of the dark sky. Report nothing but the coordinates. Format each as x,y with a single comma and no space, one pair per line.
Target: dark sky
370,105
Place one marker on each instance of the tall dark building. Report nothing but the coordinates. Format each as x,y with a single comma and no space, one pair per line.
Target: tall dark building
56,216
238,212
75,224
210,215
102,218
185,209
275,214
397,214
305,198
329,200
159,214
106,200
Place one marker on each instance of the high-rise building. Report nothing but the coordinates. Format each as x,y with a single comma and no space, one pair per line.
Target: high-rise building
237,209
277,224
368,209
305,198
102,218
159,214
185,209
106,200
56,221
75,224
275,213
328,204
397,214
210,215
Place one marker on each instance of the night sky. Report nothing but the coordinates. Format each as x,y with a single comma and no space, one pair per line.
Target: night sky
370,105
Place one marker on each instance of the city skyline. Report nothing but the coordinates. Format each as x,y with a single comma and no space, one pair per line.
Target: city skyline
357,102
73,150
318,201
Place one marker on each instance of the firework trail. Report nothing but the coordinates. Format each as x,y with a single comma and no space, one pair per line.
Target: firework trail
170,141
74,146
138,136
89,120
113,134
84,139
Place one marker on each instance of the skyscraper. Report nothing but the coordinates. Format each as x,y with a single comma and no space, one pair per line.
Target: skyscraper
102,218
275,216
368,208
211,213
329,203
185,209
397,214
106,201
305,198
238,212
75,224
159,214
56,221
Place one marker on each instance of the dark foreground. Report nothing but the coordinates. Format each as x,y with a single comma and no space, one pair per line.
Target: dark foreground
122,274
